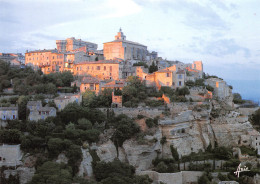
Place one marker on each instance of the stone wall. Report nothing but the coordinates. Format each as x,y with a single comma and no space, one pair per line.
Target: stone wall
182,177
134,112
247,111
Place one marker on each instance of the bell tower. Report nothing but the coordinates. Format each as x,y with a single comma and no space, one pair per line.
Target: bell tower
120,35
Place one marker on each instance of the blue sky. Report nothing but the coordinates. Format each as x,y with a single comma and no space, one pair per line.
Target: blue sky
224,34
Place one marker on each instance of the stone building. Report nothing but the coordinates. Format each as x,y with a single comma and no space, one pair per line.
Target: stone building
9,113
68,53
116,100
107,69
10,155
124,49
179,79
255,140
63,100
221,89
71,44
15,59
90,83
170,77
195,69
34,105
37,111
116,84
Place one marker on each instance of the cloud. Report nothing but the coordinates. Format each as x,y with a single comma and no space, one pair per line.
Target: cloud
218,47
196,15
118,9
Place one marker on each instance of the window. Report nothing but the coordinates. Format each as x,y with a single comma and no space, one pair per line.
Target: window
105,68
98,67
110,68
14,117
92,86
179,83
217,84
179,76
168,74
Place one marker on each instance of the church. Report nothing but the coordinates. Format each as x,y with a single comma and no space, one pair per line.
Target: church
124,49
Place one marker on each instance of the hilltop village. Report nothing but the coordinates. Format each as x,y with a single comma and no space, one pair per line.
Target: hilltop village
76,114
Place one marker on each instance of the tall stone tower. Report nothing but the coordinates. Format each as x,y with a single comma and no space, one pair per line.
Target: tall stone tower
120,35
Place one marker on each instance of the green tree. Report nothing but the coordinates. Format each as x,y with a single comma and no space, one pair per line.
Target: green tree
141,64
103,170
255,118
84,124
153,68
175,153
125,129
55,146
237,99
10,136
22,107
52,173
88,98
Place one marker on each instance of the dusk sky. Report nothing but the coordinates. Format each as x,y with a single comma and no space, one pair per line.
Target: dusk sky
224,34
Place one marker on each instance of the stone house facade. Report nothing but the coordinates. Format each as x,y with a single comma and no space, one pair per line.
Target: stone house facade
37,111
15,59
116,84
62,101
124,49
9,113
116,101
72,44
90,83
100,69
68,52
221,89
10,155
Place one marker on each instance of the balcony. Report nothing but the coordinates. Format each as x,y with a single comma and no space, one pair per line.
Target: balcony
44,65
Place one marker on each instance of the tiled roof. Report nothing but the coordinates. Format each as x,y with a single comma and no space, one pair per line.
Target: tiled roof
62,97
67,96
44,50
98,62
9,108
115,84
90,80
180,72
163,70
34,103
191,70
46,108
126,41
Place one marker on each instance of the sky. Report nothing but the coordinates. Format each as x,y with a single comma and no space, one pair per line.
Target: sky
224,34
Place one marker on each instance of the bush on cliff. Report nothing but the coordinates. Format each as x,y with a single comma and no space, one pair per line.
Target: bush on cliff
117,172
125,128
